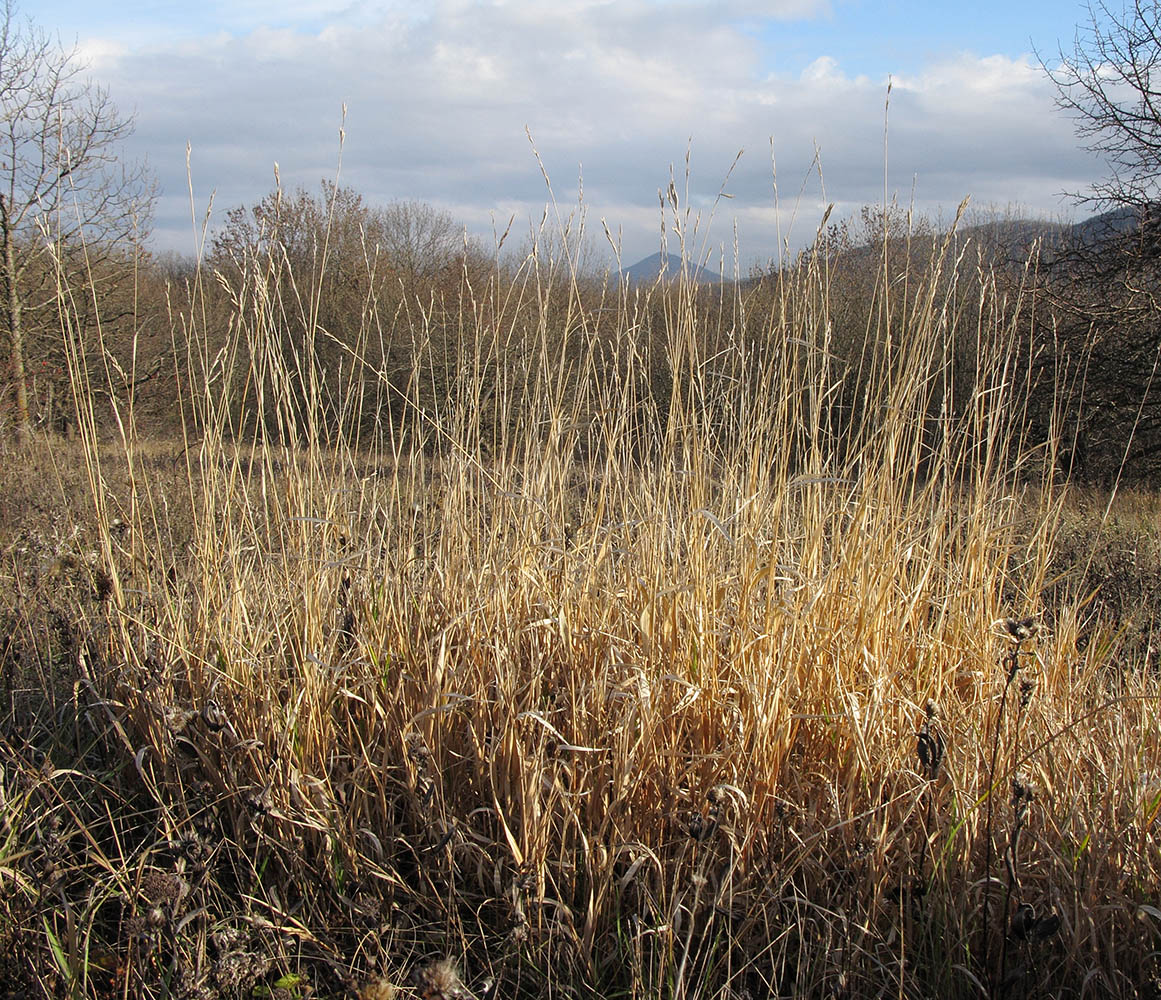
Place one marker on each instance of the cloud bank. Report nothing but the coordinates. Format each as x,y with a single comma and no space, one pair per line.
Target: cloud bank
439,97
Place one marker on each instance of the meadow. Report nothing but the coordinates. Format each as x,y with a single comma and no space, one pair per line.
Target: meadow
618,642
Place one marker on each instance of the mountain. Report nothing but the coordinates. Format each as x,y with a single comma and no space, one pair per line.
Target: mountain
1019,234
1113,223
648,270
1012,239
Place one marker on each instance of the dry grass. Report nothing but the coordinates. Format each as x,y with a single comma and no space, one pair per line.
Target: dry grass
714,696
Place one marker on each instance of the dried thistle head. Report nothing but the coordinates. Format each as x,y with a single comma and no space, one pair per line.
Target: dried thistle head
930,749
715,799
418,752
1027,926
1023,792
163,889
519,932
193,854
176,718
1022,788
438,980
700,827
378,989
1018,629
525,877
141,931
236,972
1027,688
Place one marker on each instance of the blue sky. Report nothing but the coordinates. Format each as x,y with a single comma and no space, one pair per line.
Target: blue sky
878,38
439,94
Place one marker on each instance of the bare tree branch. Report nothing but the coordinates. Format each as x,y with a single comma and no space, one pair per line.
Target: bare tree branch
61,178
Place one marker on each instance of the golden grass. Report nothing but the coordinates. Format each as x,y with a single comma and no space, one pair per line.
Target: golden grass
591,687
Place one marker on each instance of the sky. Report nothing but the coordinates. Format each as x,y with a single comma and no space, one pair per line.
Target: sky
468,104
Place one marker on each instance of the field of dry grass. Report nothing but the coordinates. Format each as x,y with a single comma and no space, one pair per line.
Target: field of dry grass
598,697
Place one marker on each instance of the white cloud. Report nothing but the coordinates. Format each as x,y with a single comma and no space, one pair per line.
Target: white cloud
969,79
439,97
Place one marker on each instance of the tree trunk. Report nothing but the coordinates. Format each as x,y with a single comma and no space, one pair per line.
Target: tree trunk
11,309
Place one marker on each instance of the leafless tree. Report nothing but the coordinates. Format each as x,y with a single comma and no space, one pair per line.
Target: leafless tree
409,242
1103,279
420,239
347,279
61,179
1111,84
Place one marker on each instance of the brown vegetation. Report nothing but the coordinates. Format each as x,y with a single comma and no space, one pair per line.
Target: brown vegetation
588,646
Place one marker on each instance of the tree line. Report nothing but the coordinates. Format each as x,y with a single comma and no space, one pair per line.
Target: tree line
352,287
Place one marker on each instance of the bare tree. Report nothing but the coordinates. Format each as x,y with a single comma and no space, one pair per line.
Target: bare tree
420,239
1111,85
60,178
1103,335
345,279
411,242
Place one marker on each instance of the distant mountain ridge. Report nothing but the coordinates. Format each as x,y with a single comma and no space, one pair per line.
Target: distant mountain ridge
1116,222
649,269
1017,235
1024,232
